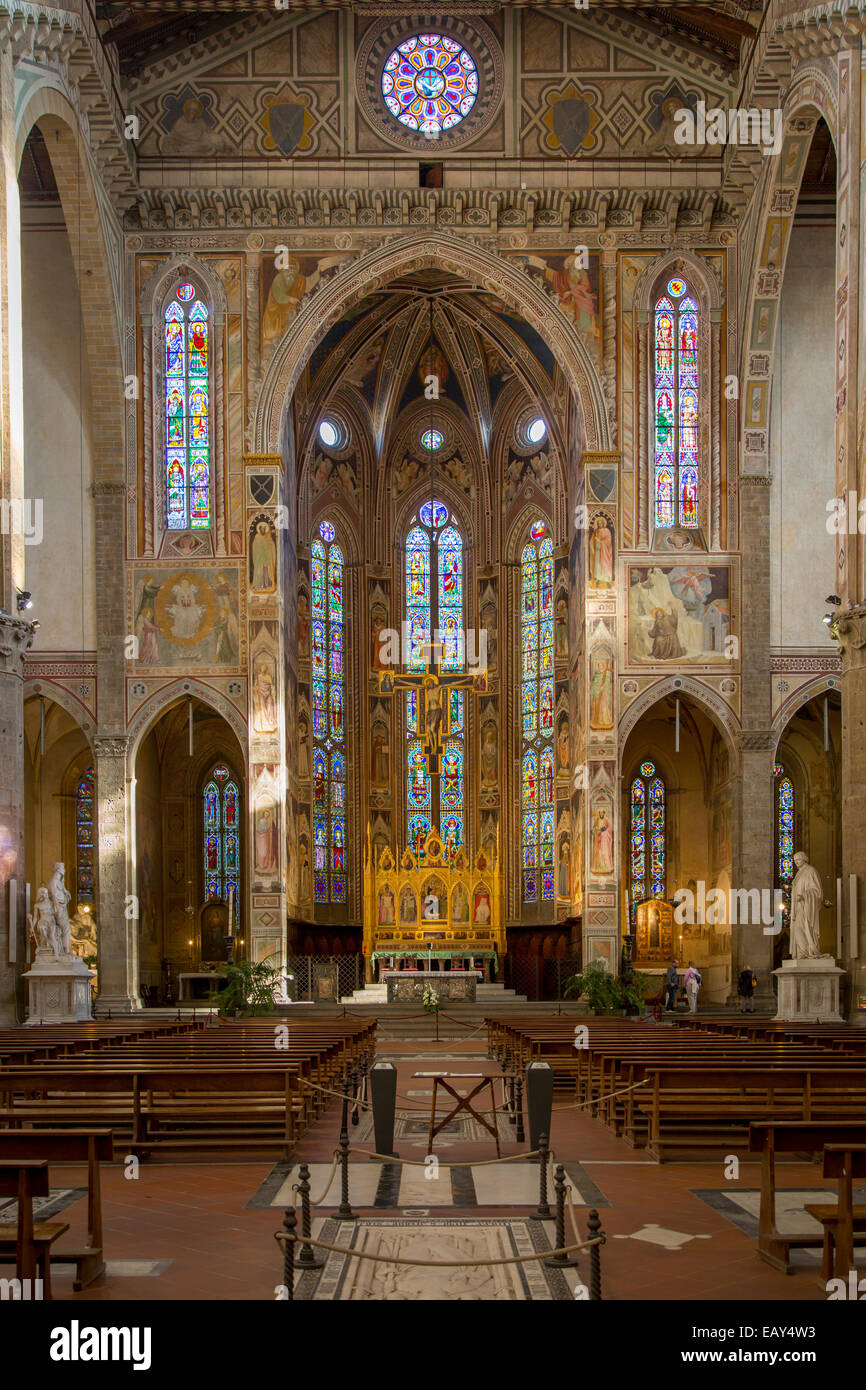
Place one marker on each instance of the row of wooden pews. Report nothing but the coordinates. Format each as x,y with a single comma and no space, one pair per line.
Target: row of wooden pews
703,1086
677,1091
237,1086
86,1094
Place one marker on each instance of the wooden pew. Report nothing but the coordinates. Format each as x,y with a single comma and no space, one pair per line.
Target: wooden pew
127,1100
683,1115
90,1146
769,1138
844,1162
26,1241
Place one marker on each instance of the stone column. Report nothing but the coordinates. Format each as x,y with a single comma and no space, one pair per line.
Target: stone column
117,911
852,642
15,638
20,525
753,849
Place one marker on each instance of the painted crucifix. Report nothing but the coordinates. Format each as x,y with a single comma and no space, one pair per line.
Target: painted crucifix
433,686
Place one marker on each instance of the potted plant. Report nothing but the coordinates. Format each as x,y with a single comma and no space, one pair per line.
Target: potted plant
250,989
607,994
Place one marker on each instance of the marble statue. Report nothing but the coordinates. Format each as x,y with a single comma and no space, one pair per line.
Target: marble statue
431,907
807,895
42,924
60,897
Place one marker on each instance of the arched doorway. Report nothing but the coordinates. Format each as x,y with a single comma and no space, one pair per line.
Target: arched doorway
807,807
190,853
678,806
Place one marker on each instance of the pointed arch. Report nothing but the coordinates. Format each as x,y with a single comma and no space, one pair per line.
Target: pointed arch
416,251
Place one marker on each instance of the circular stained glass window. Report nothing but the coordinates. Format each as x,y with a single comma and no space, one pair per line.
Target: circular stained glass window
434,514
430,83
185,291
327,532
221,772
647,769
676,288
536,431
537,530
329,434
432,439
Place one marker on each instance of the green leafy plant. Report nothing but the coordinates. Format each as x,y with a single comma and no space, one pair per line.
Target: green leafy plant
250,989
608,994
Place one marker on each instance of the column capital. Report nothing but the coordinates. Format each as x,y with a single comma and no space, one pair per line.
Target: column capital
756,740
16,638
850,631
108,490
111,746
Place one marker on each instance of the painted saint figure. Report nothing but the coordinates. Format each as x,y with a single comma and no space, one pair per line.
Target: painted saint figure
665,641
601,554
602,843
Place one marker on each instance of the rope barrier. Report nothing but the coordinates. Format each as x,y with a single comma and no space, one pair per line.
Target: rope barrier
422,1163
317,1202
280,1236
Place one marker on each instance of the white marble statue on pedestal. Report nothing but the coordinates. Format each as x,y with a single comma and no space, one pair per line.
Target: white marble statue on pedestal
809,980
58,982
807,895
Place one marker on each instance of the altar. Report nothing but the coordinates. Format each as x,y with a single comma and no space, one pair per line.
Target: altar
435,902
452,985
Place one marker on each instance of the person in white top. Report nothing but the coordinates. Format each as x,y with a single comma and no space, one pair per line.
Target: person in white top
692,983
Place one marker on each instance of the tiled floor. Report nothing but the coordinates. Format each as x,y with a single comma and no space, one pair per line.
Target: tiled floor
205,1230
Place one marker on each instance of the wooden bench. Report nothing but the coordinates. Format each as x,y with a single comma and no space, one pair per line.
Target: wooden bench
808,1137
844,1162
26,1241
86,1146
127,1100
696,1107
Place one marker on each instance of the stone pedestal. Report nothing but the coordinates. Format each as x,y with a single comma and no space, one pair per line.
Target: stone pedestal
809,991
58,990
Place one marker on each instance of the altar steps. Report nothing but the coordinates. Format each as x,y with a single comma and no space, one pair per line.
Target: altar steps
407,1022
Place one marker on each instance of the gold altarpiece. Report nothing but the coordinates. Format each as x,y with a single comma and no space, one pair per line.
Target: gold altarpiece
434,905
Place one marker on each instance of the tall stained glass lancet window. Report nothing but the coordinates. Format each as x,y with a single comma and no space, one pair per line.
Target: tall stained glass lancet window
84,838
536,698
434,618
676,395
646,835
784,831
221,822
329,731
187,412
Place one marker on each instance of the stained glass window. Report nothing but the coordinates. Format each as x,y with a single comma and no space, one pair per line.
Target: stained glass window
84,837
784,831
647,835
434,619
329,718
187,412
221,812
676,395
430,83
536,696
